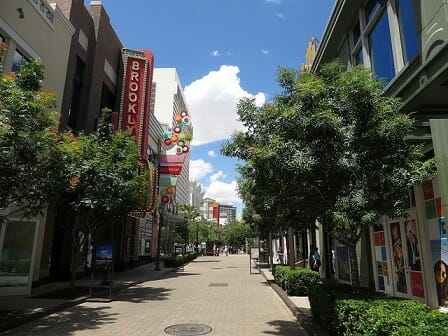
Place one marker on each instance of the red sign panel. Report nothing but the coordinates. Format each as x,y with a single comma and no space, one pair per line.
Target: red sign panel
417,284
215,210
170,170
136,97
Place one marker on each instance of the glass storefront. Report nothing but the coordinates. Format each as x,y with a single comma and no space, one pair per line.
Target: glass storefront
16,252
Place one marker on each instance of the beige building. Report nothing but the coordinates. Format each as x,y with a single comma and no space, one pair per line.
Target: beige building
32,30
37,30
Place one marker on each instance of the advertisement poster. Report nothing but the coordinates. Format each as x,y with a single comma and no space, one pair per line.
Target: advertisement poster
398,258
439,249
104,254
343,263
413,245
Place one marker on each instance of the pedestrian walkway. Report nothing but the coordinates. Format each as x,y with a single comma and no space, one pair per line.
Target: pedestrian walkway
211,295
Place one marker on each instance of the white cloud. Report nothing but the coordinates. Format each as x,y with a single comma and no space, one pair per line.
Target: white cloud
281,16
264,51
212,103
211,153
199,169
215,53
217,176
223,192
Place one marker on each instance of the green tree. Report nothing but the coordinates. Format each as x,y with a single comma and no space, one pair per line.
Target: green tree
192,213
332,147
237,233
29,161
102,183
354,141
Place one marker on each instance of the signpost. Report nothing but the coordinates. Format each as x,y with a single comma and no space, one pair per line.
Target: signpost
103,263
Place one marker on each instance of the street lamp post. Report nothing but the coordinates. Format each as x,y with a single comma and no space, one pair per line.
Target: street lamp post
197,236
159,236
185,237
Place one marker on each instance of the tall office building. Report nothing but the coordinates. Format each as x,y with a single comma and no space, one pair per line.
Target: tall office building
196,194
218,213
169,102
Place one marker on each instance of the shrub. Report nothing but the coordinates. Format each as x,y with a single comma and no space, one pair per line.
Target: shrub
295,282
341,312
178,260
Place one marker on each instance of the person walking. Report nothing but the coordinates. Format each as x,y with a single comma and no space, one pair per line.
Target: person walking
315,259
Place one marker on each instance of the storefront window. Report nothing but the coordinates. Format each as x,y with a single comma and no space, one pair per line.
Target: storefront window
19,58
16,248
381,56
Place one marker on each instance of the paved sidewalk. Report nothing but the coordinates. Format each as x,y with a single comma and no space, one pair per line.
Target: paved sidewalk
45,299
172,296
299,306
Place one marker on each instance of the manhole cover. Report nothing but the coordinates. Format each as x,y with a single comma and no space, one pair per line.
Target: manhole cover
188,329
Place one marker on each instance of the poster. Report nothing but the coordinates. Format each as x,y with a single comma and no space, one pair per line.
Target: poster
439,249
343,263
104,254
398,258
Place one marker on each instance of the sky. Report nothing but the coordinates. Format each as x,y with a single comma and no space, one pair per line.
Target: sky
223,50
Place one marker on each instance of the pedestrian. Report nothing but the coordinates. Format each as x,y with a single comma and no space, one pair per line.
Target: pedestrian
315,259
226,251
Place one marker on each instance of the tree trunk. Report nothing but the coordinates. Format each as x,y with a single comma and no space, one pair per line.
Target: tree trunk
291,248
354,268
74,266
271,254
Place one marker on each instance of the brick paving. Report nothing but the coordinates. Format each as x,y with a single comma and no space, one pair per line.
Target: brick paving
214,291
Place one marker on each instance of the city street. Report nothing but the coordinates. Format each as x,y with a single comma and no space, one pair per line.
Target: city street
212,295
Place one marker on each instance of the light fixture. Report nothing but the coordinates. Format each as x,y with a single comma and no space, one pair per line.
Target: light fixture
20,13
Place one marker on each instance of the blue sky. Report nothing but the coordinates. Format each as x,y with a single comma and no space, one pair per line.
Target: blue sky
223,50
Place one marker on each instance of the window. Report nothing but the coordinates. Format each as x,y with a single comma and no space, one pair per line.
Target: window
76,94
385,37
19,58
408,29
359,58
381,57
356,33
371,7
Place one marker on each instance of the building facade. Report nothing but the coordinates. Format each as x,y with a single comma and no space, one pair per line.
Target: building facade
406,44
91,84
196,194
215,212
169,104
32,30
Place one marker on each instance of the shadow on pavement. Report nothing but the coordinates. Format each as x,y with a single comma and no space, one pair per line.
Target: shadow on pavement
142,294
72,320
284,328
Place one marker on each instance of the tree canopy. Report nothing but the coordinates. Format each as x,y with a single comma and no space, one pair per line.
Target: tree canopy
29,159
330,147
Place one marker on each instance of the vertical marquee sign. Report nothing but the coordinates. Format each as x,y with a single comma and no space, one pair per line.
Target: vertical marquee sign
134,114
136,96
